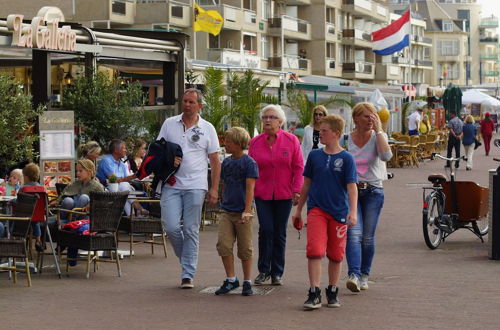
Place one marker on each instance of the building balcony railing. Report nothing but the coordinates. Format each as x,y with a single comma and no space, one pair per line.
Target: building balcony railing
366,8
400,60
490,22
492,73
331,63
357,67
423,63
423,40
291,62
356,34
247,58
292,27
489,56
489,39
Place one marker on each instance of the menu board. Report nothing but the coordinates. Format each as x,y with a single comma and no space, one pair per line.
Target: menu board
57,148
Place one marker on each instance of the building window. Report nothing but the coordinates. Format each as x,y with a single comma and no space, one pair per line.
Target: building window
118,7
448,47
447,26
448,71
266,9
264,46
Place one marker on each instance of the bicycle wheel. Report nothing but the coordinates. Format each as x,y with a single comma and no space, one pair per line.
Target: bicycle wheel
482,226
433,235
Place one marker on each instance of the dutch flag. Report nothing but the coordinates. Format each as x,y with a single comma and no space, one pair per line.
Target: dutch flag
393,37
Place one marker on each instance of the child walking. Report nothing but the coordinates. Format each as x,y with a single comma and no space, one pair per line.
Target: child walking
330,188
238,173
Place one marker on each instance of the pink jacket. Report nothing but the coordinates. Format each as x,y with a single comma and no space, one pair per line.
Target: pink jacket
280,167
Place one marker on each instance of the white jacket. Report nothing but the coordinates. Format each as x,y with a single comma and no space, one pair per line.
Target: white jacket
307,142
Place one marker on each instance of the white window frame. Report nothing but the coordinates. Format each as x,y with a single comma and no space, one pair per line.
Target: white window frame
447,26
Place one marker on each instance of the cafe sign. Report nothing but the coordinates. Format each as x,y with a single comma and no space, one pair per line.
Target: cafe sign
41,34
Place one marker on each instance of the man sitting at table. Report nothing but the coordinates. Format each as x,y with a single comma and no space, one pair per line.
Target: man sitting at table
112,163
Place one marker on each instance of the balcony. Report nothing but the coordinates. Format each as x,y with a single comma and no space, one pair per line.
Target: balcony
121,12
489,39
235,18
387,72
301,66
400,60
425,41
330,32
355,37
491,73
367,9
451,58
298,2
358,70
247,58
424,64
178,14
293,28
489,23
331,68
491,57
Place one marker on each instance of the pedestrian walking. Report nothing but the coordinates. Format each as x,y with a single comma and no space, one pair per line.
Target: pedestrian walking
468,140
487,127
455,133
280,162
370,149
330,188
239,172
310,140
182,197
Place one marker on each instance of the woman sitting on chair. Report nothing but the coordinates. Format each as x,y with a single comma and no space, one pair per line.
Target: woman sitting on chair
77,193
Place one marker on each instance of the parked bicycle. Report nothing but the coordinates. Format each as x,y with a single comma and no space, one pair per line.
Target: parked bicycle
450,205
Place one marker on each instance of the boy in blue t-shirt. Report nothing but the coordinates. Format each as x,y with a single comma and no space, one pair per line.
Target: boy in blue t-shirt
238,173
330,187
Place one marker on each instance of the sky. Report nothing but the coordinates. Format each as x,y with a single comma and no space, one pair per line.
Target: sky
490,7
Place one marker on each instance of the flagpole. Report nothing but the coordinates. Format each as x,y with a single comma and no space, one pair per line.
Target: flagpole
193,48
410,58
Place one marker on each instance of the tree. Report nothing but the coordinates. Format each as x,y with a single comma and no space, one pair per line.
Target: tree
215,108
247,97
16,124
105,109
300,103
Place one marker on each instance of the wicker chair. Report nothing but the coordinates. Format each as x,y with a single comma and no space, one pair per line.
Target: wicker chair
14,246
149,225
106,210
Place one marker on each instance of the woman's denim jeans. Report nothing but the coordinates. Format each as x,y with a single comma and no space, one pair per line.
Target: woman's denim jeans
361,237
69,203
273,219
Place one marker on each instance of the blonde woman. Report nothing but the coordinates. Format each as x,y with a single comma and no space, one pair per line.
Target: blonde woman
77,193
468,139
90,150
310,140
370,149
425,125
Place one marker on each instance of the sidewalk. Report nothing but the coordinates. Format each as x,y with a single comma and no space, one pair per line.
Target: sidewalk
412,287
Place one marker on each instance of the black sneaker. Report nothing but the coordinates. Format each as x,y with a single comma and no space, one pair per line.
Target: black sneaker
247,289
276,280
261,278
331,296
313,299
227,286
187,283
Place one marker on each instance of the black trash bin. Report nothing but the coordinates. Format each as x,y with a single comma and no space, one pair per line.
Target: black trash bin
494,234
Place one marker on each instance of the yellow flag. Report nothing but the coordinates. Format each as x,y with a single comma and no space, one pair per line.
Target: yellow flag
207,20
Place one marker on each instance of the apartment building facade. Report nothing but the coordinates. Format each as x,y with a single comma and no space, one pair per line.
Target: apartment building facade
489,50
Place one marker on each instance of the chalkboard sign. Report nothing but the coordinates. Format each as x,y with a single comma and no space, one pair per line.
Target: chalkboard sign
475,110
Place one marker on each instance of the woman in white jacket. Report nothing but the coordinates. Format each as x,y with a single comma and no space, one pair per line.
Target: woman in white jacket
310,140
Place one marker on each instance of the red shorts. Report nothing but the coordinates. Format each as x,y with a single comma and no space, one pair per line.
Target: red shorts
324,234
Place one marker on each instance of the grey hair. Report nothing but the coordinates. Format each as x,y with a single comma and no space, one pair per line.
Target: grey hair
277,108
114,144
199,95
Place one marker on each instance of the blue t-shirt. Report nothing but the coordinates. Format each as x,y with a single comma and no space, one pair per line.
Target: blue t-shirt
108,165
469,136
234,174
329,176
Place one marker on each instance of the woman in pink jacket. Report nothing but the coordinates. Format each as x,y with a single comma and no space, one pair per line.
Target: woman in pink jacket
279,157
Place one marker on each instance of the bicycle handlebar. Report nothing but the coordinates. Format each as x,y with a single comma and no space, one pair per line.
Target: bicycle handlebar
433,155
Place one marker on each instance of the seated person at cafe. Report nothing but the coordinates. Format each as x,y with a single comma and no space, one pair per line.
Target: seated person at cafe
76,195
112,163
31,176
14,182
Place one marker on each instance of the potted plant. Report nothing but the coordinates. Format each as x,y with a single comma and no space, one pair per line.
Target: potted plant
112,183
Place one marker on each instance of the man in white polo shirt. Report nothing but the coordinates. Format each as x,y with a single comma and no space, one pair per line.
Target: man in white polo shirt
414,121
182,198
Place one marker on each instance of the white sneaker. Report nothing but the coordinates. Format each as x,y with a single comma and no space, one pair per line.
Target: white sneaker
363,283
353,283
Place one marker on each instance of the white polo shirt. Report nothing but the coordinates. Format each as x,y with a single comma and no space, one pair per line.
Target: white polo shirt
197,142
412,120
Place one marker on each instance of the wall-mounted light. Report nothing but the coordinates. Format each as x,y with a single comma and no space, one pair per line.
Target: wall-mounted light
68,78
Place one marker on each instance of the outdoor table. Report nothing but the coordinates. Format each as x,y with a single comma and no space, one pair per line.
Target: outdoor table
394,144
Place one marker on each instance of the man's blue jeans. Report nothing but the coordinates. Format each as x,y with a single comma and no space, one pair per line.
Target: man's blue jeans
361,237
273,219
69,203
185,205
